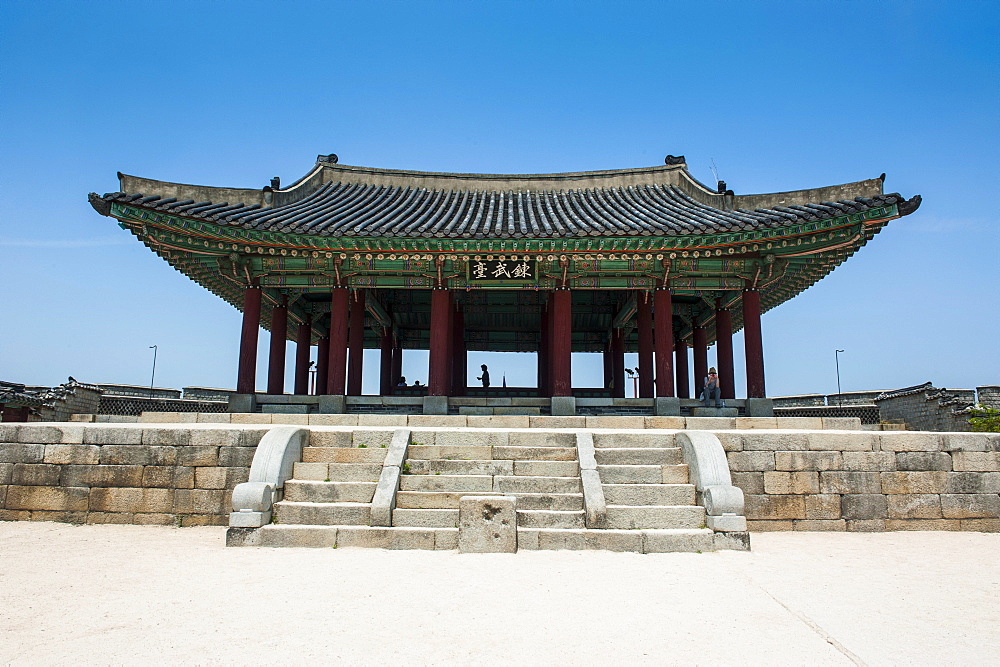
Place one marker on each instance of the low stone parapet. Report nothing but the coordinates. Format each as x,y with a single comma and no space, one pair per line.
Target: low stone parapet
867,481
143,474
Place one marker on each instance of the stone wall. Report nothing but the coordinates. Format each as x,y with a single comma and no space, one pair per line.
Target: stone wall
867,481
927,408
122,474
989,396
799,478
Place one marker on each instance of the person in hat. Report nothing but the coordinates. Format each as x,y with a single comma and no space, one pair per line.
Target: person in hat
711,389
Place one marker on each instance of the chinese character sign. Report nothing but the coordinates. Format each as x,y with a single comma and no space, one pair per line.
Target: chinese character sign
491,270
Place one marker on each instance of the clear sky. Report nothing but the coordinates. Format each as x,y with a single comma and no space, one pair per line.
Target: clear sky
778,95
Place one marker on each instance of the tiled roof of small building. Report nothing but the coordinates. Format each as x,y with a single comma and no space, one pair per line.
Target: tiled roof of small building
336,200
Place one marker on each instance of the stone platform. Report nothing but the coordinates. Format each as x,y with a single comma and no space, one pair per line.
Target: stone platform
343,480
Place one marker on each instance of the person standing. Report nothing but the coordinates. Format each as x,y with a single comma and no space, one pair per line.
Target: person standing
485,377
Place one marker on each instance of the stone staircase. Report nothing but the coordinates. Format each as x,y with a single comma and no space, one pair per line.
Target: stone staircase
645,483
650,504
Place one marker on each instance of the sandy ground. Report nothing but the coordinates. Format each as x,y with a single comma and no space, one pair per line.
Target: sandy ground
136,594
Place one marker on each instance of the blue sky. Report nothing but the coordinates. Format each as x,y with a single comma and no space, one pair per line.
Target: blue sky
778,95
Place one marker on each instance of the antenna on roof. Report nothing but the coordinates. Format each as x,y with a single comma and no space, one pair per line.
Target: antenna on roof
715,172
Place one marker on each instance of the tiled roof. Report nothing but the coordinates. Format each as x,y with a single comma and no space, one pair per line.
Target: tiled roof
343,208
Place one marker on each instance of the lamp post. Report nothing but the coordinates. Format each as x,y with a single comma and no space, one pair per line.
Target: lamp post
836,356
153,376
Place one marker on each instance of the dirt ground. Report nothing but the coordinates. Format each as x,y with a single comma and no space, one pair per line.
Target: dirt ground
137,594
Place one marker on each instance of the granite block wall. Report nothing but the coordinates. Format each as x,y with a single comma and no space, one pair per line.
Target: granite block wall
139,474
867,481
989,396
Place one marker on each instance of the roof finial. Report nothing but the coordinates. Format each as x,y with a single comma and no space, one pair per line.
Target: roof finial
673,159
276,183
327,159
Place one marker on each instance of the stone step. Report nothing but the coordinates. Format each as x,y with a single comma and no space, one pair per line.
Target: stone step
521,484
435,499
427,518
472,484
486,453
533,438
322,514
639,456
549,501
547,468
344,454
643,474
341,536
329,492
496,467
445,467
451,452
550,519
633,439
649,494
468,484
449,500
337,472
639,541
405,537
518,453
655,516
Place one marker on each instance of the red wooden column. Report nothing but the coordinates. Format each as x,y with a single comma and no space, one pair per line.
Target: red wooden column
724,350
322,364
606,356
562,343
753,344
356,343
246,378
276,358
385,380
663,342
459,369
337,362
618,363
303,338
544,339
397,362
683,377
644,317
439,361
700,359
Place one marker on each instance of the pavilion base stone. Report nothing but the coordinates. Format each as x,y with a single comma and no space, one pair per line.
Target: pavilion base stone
286,409
242,403
487,524
563,406
667,406
759,407
332,405
435,405
714,412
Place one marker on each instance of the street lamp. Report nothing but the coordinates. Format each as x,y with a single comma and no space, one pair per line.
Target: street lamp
153,376
836,356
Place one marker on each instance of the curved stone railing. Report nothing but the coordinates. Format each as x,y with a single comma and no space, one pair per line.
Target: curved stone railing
708,469
273,464
594,504
384,500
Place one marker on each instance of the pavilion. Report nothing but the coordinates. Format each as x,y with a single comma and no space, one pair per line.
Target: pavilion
643,260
